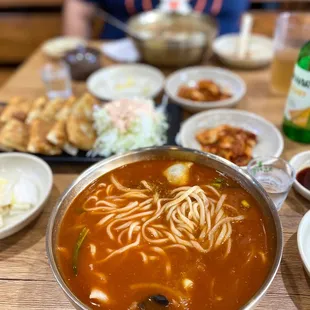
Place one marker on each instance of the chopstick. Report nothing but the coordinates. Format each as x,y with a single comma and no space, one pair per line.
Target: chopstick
245,33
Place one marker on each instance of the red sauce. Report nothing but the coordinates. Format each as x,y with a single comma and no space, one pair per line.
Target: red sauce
303,177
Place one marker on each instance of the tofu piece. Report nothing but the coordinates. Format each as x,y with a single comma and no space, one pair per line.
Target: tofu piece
38,143
15,135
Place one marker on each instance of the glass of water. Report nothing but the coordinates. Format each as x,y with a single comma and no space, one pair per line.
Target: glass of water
57,79
275,175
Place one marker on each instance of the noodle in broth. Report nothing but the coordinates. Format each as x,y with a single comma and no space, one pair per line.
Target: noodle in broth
132,224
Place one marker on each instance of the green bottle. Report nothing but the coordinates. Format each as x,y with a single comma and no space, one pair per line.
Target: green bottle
296,123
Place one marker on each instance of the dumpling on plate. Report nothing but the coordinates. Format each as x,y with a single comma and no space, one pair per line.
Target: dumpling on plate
38,142
15,135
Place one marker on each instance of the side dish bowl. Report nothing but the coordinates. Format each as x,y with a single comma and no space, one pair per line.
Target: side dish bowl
16,164
126,81
303,241
270,141
300,162
260,51
172,153
229,82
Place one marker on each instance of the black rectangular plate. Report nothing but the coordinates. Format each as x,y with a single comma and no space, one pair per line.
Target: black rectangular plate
174,115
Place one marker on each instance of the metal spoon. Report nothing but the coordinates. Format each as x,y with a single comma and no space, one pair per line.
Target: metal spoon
108,18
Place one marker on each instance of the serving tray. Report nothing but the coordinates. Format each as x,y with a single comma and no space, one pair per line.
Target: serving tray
174,116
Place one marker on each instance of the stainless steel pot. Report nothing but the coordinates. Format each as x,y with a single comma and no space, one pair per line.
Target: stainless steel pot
173,40
172,153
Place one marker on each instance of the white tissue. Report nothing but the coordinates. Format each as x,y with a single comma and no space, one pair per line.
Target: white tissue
122,50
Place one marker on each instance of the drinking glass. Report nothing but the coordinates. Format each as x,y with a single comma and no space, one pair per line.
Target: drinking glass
291,32
275,175
57,79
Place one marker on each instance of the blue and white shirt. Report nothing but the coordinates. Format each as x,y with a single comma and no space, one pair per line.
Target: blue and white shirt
226,12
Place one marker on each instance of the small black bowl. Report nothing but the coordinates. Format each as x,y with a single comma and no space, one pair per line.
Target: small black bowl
83,61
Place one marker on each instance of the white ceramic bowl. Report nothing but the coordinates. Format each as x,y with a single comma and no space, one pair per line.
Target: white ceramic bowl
303,241
229,81
126,81
39,172
260,51
57,47
299,162
270,140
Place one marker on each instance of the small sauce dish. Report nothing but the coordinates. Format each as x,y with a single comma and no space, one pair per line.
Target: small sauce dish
259,54
303,241
300,162
37,181
83,61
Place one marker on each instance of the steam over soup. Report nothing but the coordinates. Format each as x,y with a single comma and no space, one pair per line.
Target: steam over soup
164,235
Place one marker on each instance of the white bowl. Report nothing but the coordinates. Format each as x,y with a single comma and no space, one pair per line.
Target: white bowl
39,172
303,241
57,47
299,162
126,81
229,81
270,140
260,49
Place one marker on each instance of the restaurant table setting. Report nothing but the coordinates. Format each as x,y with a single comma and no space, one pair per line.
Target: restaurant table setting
196,197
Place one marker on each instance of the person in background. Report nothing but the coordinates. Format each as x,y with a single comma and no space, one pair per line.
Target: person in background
78,14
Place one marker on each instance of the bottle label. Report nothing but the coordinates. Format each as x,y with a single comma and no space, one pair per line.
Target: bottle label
298,101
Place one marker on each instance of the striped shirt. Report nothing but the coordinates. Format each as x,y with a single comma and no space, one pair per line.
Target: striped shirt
226,12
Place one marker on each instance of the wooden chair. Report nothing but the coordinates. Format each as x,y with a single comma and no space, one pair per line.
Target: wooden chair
24,25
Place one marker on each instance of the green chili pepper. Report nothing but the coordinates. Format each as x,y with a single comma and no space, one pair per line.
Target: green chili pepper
77,248
219,180
216,185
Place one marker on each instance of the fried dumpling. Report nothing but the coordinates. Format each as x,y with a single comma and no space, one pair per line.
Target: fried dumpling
38,143
80,129
3,147
65,111
15,135
58,133
17,108
37,108
81,133
84,107
51,109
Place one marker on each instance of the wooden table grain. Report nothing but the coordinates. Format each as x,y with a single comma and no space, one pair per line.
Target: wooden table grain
26,281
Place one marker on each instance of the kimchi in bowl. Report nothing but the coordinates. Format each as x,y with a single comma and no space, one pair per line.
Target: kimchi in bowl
167,227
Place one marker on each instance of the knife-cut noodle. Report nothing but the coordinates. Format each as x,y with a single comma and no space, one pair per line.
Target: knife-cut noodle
188,220
179,234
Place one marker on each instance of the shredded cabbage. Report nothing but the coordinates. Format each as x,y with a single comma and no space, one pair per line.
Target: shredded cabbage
144,129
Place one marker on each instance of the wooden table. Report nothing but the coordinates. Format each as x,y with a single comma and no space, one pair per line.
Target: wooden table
26,281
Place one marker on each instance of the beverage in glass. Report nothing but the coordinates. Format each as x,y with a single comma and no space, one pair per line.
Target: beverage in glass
291,32
57,80
275,175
